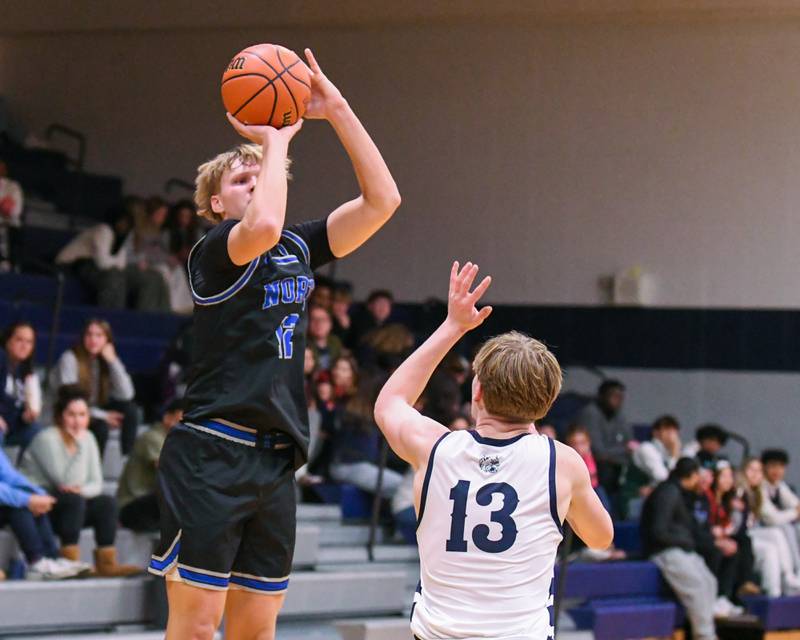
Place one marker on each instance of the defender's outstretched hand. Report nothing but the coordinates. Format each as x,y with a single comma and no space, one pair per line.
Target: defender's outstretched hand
325,97
461,301
263,133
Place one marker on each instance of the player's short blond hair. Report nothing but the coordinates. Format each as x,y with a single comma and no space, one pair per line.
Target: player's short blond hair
519,376
209,176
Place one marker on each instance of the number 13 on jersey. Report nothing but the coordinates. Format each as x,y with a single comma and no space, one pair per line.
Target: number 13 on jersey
459,494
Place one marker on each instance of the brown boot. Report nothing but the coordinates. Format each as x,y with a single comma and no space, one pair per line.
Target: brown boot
71,552
105,560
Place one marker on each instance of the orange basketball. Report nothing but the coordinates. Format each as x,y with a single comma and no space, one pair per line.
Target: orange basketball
266,84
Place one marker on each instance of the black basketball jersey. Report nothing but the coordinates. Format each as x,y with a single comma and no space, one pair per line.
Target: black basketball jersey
249,328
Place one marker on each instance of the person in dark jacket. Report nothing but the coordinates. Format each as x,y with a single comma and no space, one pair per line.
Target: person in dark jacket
669,537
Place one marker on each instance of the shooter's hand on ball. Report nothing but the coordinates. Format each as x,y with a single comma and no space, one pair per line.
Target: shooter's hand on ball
461,309
325,97
264,134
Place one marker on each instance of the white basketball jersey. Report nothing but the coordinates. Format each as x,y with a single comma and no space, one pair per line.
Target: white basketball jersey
488,533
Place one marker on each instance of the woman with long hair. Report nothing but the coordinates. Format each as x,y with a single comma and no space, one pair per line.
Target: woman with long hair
65,461
21,392
770,547
93,365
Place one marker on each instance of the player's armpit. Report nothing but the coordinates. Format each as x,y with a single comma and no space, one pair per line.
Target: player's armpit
586,515
410,434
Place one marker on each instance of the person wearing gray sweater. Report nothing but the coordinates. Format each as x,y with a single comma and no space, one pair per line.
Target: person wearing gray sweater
65,461
93,364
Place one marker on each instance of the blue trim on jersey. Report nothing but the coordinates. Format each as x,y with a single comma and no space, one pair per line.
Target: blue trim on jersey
160,565
424,495
228,430
301,244
202,578
230,291
495,442
261,585
285,260
552,485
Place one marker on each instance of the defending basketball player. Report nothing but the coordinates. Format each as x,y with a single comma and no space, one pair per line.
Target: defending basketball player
490,500
226,473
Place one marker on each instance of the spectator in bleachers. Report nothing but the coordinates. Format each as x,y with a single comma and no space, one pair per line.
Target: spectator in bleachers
136,493
65,461
651,464
326,346
12,203
709,440
340,310
383,349
98,257
774,558
322,295
24,507
728,519
610,432
356,443
183,230
460,422
669,539
548,430
781,506
445,399
578,438
93,365
21,397
377,313
151,254
344,377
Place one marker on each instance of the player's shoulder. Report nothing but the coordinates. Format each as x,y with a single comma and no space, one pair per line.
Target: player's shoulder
567,456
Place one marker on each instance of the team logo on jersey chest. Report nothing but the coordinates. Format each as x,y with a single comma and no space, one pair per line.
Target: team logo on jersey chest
489,464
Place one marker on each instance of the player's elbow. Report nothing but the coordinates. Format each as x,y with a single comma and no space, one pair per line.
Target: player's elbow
384,203
261,227
602,536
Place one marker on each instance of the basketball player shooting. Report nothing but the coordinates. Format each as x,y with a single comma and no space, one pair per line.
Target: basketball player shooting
226,473
490,500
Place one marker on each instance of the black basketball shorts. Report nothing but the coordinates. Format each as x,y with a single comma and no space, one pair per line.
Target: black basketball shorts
227,506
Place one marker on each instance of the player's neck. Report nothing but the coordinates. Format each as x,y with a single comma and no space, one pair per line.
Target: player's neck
493,427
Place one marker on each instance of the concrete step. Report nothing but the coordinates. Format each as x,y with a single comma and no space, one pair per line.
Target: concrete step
358,554
103,603
135,548
374,629
348,535
319,513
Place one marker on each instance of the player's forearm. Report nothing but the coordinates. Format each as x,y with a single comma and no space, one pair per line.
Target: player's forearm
267,210
410,379
377,185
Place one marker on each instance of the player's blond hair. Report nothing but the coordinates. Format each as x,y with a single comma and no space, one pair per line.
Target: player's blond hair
209,176
519,376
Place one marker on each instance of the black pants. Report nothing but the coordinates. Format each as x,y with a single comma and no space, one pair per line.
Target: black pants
141,514
73,512
733,571
34,534
130,423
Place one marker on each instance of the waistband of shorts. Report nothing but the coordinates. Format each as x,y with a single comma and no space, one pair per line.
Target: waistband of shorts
242,435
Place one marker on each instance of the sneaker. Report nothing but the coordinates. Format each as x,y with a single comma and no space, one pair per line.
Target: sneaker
80,568
55,569
723,607
791,585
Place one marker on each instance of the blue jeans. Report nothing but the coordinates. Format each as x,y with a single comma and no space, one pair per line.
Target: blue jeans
34,534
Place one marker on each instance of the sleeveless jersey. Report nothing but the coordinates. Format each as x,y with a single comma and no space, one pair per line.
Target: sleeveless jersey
249,327
488,530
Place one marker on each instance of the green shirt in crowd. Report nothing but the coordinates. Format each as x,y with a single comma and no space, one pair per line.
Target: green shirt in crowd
139,476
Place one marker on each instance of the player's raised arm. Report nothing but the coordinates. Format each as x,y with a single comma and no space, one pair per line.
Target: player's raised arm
260,190
355,221
586,514
410,434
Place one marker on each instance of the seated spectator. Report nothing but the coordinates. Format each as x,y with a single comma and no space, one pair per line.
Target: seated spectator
326,346
383,349
183,230
460,422
93,364
151,254
21,398
64,459
340,310
377,313
547,429
136,493
445,399
774,559
24,507
344,376
728,517
12,203
356,444
578,438
709,440
651,464
781,507
173,370
668,537
610,433
99,258
322,296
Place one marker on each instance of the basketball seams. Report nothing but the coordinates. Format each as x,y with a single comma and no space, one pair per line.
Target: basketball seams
247,75
287,69
279,76
256,94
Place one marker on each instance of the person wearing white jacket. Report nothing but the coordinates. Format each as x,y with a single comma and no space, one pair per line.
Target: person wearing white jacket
781,506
